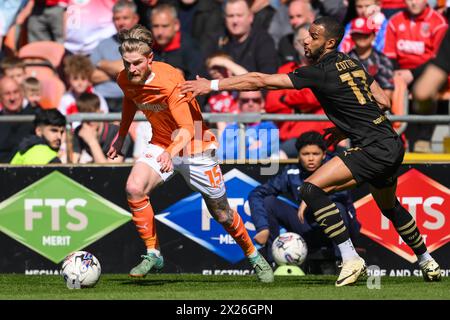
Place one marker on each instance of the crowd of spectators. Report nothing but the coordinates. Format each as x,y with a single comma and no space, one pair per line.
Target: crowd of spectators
211,38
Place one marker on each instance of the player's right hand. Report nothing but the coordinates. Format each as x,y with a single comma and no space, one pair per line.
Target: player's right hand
198,87
115,149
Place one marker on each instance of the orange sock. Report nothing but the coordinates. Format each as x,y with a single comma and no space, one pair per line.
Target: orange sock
144,220
239,233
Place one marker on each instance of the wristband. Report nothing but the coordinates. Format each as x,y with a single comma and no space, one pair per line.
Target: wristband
214,85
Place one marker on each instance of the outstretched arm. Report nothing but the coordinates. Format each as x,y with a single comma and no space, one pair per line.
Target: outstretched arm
247,82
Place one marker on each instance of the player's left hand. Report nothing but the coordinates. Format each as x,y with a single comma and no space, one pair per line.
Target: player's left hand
301,212
165,161
198,87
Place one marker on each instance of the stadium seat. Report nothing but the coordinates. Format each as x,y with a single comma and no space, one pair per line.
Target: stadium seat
50,51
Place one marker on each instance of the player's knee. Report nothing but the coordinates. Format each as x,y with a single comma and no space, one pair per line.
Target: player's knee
134,191
307,191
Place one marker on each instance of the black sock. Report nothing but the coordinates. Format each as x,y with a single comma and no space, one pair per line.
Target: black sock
406,227
325,212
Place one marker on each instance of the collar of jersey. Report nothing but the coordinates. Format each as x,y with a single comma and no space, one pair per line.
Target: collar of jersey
150,78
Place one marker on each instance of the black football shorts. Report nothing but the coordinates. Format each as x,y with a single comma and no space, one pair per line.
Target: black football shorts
376,163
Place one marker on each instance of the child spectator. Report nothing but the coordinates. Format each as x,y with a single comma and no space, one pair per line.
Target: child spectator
14,68
91,140
78,70
370,10
32,90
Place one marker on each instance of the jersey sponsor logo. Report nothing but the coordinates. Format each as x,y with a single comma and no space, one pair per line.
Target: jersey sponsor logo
412,47
151,107
428,202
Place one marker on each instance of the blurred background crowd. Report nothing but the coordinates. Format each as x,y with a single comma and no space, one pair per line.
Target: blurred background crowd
61,57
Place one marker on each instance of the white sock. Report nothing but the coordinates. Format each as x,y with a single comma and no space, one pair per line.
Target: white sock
348,251
423,258
154,251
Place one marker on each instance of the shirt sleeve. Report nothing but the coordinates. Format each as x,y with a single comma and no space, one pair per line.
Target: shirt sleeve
306,77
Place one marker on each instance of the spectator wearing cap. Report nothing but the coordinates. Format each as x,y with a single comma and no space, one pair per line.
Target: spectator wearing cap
370,10
376,63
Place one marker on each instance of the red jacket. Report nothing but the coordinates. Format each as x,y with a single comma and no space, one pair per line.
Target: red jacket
414,40
302,101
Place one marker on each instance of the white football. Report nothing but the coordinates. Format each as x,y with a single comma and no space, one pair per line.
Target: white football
81,269
289,248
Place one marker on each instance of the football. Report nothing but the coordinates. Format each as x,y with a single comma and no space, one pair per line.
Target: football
289,248
81,269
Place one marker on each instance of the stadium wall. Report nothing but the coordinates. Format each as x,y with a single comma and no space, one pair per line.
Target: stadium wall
47,212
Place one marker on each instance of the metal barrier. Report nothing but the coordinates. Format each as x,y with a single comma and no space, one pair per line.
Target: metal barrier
242,119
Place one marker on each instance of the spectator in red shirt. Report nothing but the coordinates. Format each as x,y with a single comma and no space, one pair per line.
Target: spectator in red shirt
413,37
295,101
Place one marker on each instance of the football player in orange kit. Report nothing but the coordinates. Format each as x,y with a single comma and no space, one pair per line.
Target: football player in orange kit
181,142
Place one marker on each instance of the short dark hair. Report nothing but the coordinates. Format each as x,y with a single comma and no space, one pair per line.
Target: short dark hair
333,28
88,102
49,117
310,138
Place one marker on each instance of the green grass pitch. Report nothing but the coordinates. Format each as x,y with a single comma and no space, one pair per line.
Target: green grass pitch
194,286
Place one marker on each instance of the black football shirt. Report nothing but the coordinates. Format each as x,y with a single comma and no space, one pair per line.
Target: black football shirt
342,87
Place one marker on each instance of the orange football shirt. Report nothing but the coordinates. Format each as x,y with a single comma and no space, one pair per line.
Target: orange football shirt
166,108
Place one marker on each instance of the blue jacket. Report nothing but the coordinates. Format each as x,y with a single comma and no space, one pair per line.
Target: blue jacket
261,141
287,183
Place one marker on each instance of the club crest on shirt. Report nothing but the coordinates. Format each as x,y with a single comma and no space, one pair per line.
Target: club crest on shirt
425,30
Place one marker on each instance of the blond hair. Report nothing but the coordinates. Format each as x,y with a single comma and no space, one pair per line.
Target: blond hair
137,39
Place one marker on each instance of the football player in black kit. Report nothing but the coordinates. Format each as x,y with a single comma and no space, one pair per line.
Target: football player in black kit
354,102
